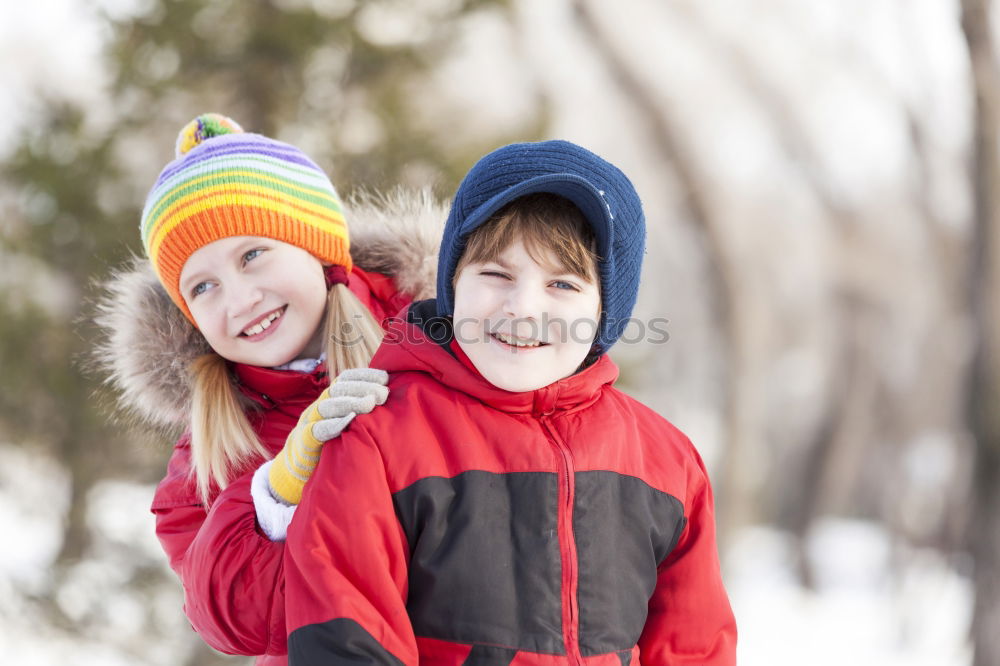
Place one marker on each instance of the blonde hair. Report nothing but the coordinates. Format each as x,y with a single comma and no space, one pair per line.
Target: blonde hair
222,439
550,226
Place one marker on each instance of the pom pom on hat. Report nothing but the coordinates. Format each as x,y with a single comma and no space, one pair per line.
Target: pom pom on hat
226,182
204,127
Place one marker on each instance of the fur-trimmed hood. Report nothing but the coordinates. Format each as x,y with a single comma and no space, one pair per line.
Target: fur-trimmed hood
146,344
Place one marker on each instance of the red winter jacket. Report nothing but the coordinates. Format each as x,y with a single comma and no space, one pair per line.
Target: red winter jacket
231,572
464,524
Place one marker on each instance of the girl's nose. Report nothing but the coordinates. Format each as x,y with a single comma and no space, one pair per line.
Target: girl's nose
244,294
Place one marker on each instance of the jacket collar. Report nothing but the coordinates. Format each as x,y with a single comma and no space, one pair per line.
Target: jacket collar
407,347
267,386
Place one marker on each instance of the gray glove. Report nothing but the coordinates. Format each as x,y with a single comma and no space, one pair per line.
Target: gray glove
354,392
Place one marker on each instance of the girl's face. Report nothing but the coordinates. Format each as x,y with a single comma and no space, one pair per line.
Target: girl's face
256,300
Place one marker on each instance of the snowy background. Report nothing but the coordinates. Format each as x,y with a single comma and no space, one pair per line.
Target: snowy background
804,159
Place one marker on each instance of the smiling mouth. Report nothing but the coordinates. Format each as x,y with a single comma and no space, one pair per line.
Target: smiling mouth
520,343
263,324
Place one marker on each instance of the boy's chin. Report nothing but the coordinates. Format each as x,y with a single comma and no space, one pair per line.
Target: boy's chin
521,379
520,372
519,387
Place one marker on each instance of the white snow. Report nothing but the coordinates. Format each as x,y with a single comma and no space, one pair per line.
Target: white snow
873,604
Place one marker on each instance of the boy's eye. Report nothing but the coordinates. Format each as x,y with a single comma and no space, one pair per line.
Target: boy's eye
497,274
562,284
250,255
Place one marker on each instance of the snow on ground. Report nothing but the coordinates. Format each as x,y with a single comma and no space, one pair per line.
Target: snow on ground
118,605
874,604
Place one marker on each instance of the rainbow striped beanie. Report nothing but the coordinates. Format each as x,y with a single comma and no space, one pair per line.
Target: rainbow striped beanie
226,182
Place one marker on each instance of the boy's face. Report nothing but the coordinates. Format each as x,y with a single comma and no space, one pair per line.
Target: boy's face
524,324
256,300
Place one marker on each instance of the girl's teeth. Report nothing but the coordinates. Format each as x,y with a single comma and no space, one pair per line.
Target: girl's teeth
262,326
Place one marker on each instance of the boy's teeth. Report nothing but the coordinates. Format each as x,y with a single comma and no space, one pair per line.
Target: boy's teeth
517,342
262,325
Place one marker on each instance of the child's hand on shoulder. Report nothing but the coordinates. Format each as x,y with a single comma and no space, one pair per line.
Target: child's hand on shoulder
354,391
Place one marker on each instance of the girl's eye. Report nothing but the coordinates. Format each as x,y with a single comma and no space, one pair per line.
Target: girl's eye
199,289
250,255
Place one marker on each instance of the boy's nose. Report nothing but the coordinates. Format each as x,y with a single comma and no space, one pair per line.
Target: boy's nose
523,302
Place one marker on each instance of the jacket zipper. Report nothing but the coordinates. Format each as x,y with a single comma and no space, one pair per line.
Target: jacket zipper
567,546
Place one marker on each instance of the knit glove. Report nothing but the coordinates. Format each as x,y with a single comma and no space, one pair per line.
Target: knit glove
354,392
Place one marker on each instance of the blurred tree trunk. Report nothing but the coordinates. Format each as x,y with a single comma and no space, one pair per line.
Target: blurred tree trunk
824,476
734,491
983,407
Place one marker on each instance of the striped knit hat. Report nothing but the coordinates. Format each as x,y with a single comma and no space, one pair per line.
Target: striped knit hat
225,182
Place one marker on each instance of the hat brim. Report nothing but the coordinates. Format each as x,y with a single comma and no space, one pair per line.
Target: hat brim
575,188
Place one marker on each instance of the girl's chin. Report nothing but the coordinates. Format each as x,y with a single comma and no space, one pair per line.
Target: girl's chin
268,356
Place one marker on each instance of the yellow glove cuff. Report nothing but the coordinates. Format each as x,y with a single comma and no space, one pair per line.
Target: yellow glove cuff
295,463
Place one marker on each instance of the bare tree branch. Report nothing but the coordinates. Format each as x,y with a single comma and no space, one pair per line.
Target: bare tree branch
664,133
984,287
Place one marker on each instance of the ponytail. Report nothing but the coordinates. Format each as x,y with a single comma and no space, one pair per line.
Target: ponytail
352,334
222,439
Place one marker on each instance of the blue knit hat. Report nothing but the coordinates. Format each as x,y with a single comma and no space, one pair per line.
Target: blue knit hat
598,188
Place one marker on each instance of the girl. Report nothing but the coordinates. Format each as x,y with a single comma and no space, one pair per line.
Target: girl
251,298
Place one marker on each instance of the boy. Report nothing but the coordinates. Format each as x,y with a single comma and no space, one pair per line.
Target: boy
507,505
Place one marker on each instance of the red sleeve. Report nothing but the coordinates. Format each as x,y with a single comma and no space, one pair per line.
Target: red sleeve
231,573
690,621
346,570
178,511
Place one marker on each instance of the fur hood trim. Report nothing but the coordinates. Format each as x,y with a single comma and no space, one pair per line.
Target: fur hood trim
145,344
